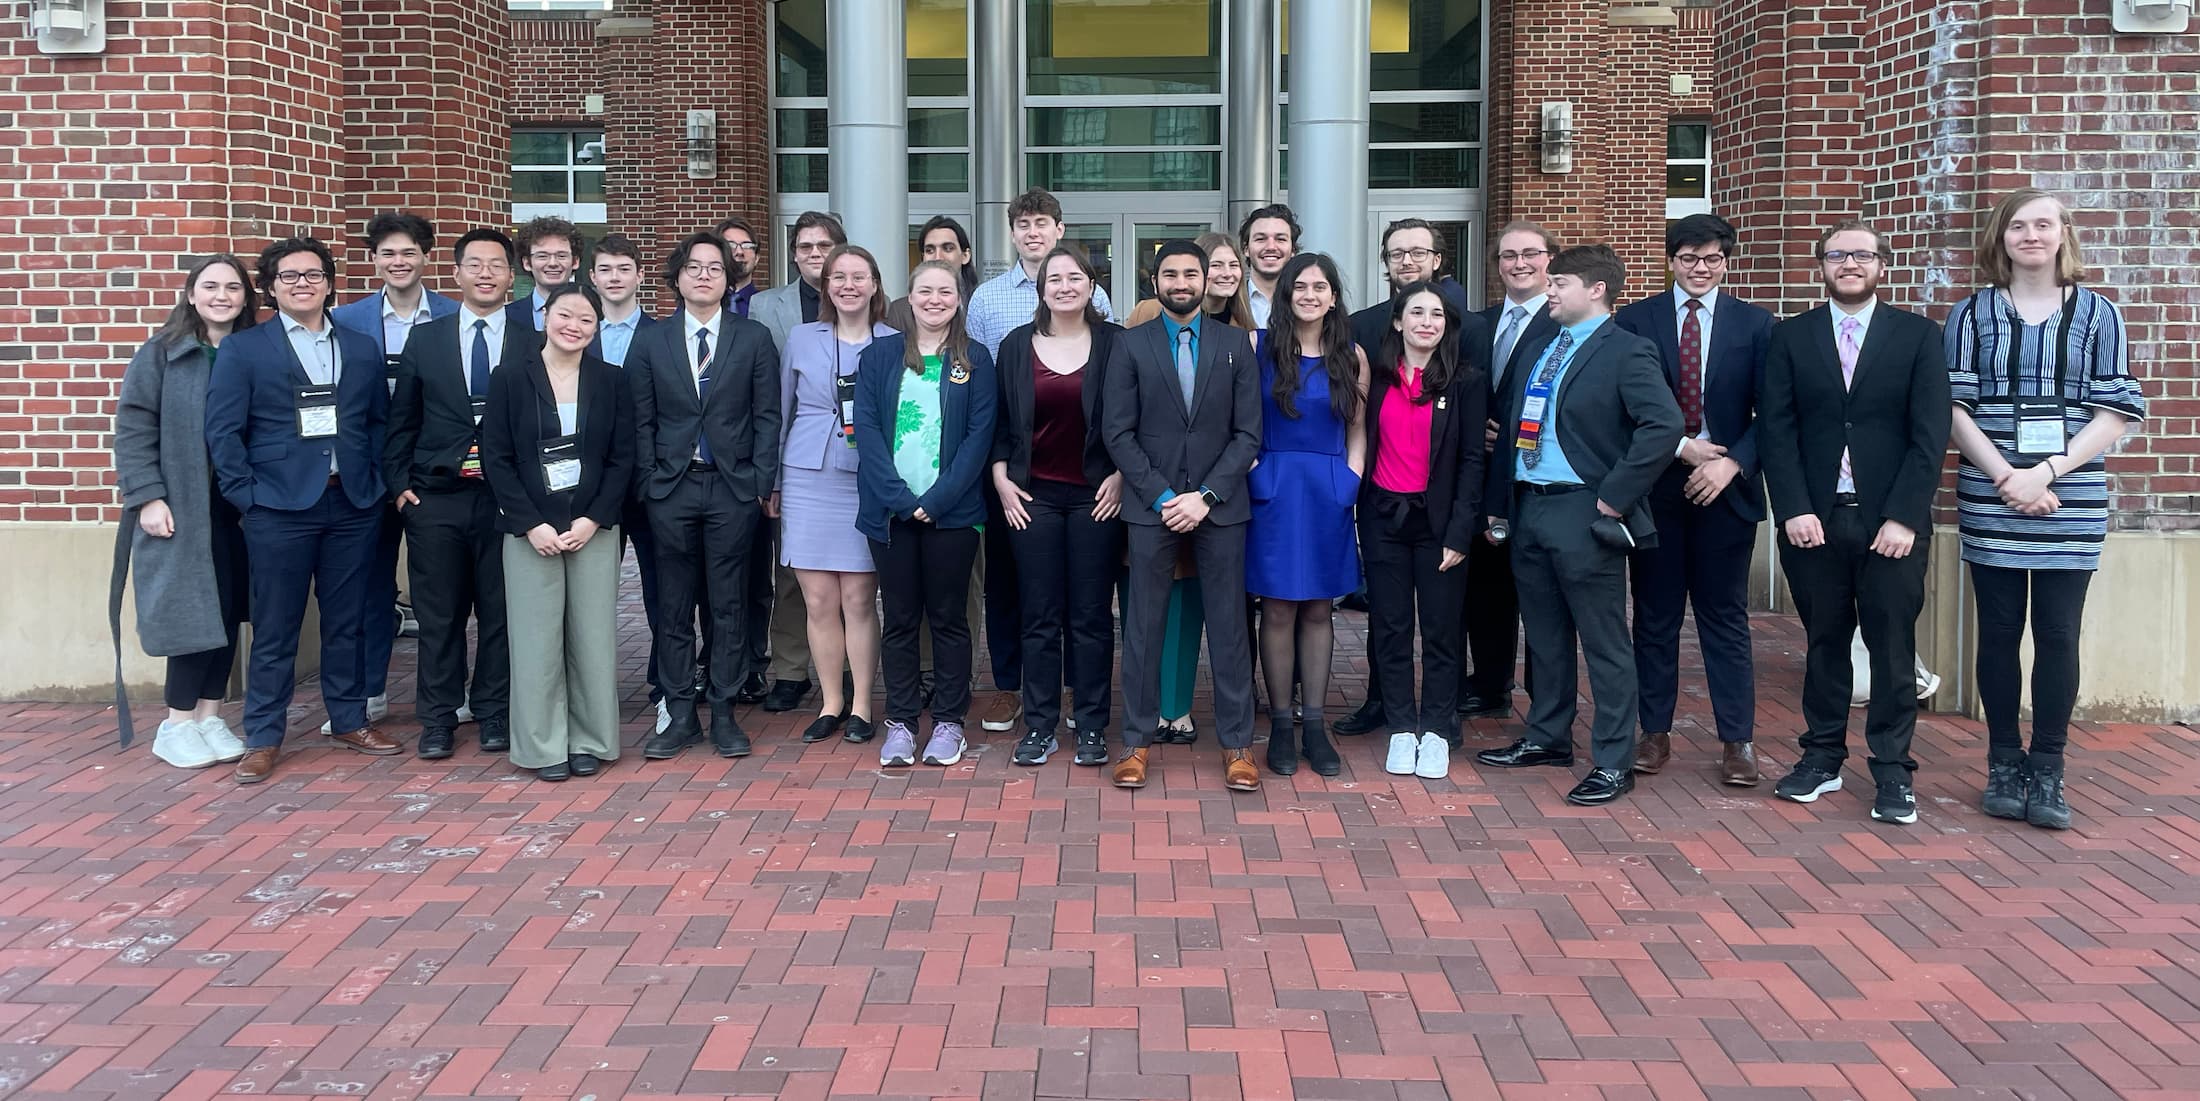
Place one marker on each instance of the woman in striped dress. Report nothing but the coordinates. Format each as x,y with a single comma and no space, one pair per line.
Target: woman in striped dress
2042,390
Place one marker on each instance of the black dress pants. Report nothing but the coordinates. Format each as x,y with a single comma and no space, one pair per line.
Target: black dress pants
1003,601
1490,618
924,578
1402,553
454,556
2057,600
704,537
1701,559
1839,587
1066,568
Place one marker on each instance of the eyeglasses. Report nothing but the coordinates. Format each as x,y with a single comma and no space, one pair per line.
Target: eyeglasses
551,257
312,278
1844,255
1531,254
706,271
1706,260
814,246
743,246
1417,255
484,267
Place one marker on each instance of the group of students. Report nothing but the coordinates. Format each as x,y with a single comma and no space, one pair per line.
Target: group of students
840,475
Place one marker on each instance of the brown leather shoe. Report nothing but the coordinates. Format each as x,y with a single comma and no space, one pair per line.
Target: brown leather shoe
1238,771
1130,772
257,764
1740,766
367,739
1652,751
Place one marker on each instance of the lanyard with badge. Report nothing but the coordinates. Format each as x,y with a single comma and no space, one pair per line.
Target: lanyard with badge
844,396
389,371
1535,404
317,403
2040,429
561,463
471,468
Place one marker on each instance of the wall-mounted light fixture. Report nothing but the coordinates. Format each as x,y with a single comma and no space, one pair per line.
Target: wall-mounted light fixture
1557,137
2152,16
69,26
702,145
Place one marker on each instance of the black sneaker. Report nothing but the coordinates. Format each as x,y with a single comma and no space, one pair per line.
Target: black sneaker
1034,748
1807,783
786,695
1896,803
2045,805
2008,779
495,736
1092,747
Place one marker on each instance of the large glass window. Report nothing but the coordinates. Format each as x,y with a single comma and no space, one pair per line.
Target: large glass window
937,47
1687,168
1425,110
558,172
1109,47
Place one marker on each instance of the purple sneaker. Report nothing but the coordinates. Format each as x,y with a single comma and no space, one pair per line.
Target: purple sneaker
946,746
900,750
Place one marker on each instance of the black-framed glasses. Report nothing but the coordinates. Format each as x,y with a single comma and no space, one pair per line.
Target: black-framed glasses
705,271
1515,255
1417,255
313,277
1844,255
1702,260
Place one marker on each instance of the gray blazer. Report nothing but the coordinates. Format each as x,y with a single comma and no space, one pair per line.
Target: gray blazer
778,309
1158,444
160,455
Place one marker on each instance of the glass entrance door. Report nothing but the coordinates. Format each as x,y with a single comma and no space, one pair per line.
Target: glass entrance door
1121,246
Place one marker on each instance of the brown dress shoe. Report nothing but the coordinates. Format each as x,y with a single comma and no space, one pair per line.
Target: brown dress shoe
1238,771
367,739
257,764
1652,751
1740,766
1130,772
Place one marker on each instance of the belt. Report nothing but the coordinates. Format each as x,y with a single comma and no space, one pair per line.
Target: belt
335,479
1544,489
1844,500
698,464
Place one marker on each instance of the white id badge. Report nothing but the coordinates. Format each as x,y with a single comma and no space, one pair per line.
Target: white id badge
561,463
2040,428
1532,409
316,412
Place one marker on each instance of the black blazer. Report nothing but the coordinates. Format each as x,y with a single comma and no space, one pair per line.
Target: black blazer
1539,330
1370,325
1455,466
1617,421
432,408
1012,427
1161,446
642,320
742,415
1893,418
523,412
1734,372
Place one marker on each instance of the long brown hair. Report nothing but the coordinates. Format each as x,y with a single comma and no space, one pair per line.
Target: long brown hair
955,351
1237,309
184,322
1042,319
878,282
1338,362
1444,363
1993,253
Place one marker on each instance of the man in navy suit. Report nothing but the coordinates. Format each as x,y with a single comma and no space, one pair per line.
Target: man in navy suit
550,249
1707,505
294,422
399,243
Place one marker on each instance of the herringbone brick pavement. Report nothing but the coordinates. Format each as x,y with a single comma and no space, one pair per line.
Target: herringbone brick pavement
801,924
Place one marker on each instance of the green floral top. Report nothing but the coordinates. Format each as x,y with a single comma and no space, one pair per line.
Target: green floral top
917,429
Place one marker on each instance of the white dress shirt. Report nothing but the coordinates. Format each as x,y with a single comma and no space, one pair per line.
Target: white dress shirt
318,354
396,326
1540,304
1863,332
495,334
689,325
1259,302
1703,350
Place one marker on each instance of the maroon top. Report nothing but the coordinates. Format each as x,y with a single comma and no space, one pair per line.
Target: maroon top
1057,425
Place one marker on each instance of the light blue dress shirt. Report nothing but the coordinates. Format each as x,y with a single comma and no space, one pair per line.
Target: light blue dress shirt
617,337
1552,468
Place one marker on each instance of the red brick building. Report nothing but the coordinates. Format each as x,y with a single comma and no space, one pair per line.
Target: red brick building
222,124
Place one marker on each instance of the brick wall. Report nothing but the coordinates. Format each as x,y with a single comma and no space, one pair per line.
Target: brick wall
555,65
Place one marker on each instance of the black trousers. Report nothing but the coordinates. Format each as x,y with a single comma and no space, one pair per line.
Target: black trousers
704,538
1066,568
205,675
1004,614
924,578
2057,600
454,555
1402,552
1573,587
1839,587
1490,618
634,528
1701,558
1218,550
382,593
763,555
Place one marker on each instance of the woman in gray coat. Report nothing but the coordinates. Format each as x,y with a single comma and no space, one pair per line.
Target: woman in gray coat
182,536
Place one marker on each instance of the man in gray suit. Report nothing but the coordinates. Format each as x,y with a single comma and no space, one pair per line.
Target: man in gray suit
775,597
1182,422
1588,425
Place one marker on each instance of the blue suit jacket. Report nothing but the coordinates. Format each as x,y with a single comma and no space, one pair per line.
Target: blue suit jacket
365,315
967,409
252,422
1734,372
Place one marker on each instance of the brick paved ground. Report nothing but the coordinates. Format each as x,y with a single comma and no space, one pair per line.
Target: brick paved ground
802,925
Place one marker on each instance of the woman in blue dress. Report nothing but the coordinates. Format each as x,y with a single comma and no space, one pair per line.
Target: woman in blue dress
1300,551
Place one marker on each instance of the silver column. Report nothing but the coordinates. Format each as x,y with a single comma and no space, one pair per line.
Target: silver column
1249,131
1329,89
867,130
996,141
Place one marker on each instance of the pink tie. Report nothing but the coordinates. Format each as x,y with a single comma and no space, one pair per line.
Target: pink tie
1849,349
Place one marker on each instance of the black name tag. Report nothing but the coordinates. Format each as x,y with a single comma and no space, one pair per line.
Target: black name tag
316,412
471,468
2040,428
844,394
561,463
389,373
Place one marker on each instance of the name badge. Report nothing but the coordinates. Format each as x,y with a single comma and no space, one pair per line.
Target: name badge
316,412
1530,436
471,468
2041,430
389,373
561,463
844,392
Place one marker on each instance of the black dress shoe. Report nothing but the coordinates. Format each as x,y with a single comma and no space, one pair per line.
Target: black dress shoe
1474,705
683,732
555,774
726,735
1366,720
1320,753
753,689
823,727
1283,748
583,764
857,730
786,695
495,736
1601,786
1526,754
1169,735
436,743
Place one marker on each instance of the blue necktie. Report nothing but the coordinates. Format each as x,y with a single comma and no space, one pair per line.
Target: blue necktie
702,391
479,379
1186,373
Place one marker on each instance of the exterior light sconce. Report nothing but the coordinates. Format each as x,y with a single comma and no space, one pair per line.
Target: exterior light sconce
2152,16
1557,145
69,26
702,144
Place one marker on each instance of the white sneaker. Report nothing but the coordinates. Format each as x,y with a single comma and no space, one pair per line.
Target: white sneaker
378,707
181,745
664,716
1433,762
1404,754
222,741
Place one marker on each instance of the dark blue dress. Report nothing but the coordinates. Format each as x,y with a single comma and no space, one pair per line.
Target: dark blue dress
1301,544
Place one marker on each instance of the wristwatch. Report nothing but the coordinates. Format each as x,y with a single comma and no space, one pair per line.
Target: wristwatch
1213,499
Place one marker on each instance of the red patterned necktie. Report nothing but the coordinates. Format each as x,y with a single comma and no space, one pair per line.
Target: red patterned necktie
1691,383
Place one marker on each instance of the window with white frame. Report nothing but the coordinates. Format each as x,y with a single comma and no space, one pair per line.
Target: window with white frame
1687,168
558,172
559,5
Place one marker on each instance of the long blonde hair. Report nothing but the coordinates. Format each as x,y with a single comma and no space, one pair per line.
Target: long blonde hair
1993,254
1237,309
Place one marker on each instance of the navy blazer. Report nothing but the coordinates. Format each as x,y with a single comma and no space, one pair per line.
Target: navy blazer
252,422
365,316
1734,377
967,409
